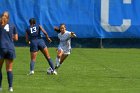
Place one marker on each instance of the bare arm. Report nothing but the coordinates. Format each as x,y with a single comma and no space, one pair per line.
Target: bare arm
57,29
46,34
15,37
27,39
73,34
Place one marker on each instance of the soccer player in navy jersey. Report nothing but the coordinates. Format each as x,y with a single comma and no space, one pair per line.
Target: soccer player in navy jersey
64,47
8,34
33,36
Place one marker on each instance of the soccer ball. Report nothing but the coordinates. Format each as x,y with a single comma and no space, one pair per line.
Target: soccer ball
49,71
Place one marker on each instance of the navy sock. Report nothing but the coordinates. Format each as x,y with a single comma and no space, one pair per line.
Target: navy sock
10,78
50,63
0,78
32,63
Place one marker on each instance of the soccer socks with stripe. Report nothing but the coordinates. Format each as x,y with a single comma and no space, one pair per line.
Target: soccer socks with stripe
10,78
32,63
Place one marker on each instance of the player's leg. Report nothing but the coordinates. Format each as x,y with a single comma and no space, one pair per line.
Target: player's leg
42,46
1,64
9,57
2,54
33,53
32,62
63,54
59,54
63,57
47,56
9,65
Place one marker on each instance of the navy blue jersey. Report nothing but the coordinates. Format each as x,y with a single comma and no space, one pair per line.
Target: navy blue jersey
33,32
6,36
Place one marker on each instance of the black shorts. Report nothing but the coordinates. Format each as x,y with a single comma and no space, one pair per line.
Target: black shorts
7,54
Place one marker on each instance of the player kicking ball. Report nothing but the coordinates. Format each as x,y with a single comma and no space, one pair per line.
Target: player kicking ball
37,43
64,47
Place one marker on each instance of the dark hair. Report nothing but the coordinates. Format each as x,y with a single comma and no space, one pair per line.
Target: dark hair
32,21
62,24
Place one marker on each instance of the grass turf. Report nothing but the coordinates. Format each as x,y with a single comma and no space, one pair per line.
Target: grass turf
84,71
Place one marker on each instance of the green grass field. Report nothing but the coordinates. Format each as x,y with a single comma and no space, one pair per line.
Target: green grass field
84,71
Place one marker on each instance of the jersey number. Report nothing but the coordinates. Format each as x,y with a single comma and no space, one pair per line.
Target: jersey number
33,29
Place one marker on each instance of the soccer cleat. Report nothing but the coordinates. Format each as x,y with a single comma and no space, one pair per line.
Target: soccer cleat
10,89
57,66
49,71
54,72
31,73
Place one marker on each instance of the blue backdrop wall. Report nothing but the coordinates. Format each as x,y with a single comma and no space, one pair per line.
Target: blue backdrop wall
87,18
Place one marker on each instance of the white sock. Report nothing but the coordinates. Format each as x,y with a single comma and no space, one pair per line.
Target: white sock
57,61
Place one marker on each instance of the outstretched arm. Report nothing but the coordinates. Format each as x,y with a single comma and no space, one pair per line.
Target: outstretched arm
57,29
46,34
73,34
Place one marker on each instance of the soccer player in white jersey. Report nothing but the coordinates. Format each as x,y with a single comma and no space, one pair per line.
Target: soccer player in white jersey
64,47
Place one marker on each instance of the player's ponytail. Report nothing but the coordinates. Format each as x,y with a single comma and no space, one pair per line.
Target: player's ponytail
32,21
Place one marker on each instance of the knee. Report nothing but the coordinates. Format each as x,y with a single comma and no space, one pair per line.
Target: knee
48,56
33,60
8,69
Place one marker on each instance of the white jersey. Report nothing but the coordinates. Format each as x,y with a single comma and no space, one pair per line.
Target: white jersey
65,42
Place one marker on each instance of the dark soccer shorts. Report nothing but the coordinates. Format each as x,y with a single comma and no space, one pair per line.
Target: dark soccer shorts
37,44
7,54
